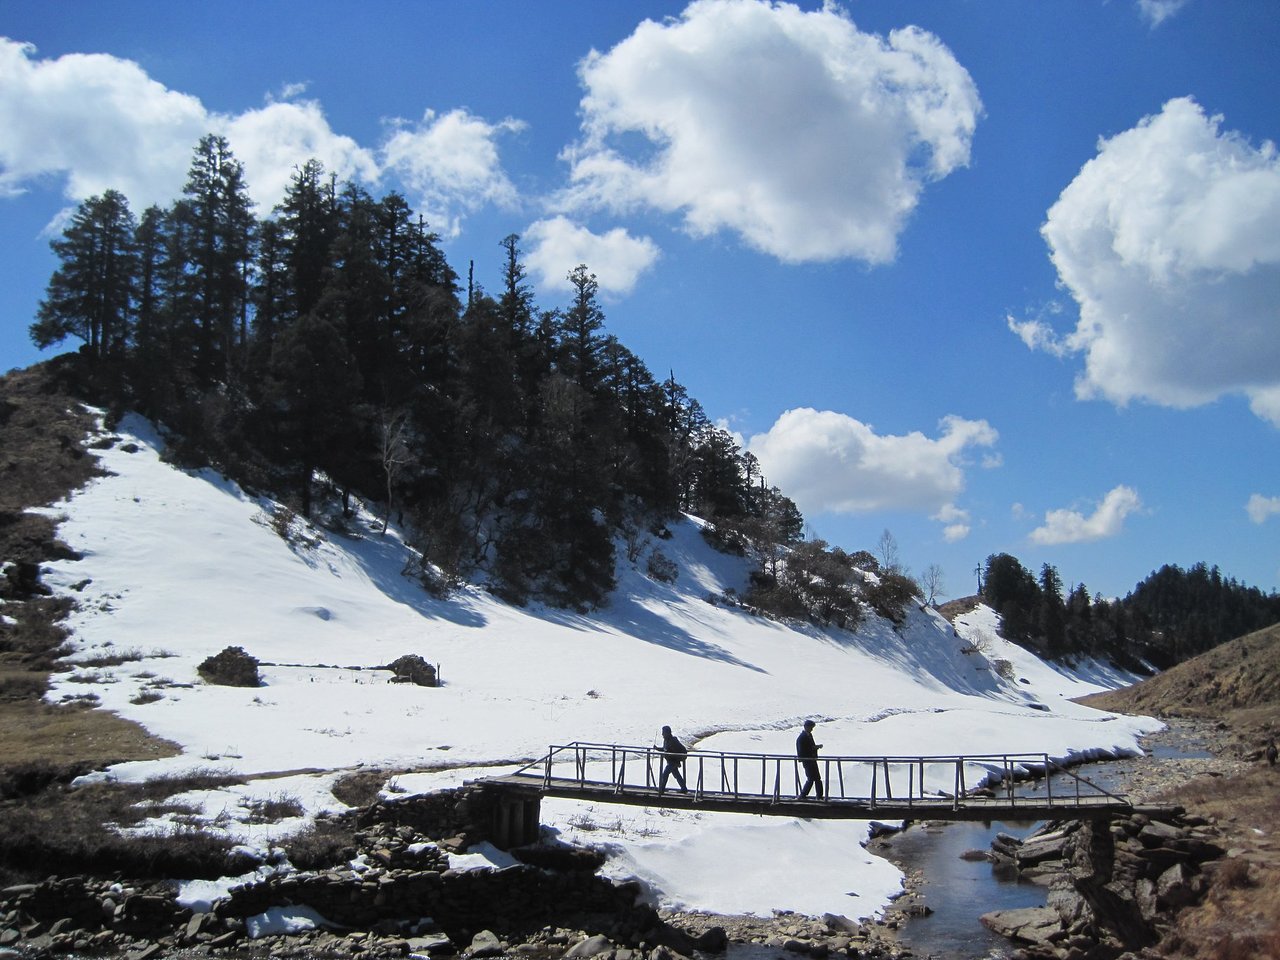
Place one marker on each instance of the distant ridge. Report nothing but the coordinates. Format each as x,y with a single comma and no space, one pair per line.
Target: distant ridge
1242,674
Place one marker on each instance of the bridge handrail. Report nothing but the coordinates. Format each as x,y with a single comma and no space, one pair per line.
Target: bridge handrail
1003,770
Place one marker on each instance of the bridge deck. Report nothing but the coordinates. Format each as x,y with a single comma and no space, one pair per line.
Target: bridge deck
972,808
975,788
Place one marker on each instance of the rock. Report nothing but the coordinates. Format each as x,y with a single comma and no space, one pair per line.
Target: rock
1156,833
838,921
435,943
9,936
1173,888
485,944
713,940
590,947
195,925
1033,925
147,953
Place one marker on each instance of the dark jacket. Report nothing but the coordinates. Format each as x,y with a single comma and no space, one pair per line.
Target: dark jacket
673,748
805,747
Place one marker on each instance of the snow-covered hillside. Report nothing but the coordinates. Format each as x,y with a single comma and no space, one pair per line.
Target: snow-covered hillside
177,566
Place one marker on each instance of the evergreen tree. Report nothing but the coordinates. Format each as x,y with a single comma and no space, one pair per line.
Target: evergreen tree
90,295
219,218
313,381
1051,618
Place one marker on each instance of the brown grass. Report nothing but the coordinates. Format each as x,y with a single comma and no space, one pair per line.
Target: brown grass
75,831
43,459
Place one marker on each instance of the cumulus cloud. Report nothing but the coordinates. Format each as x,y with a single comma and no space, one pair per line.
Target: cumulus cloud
1156,12
272,141
96,120
1260,508
1072,526
827,461
956,525
1169,242
101,122
557,245
451,162
793,129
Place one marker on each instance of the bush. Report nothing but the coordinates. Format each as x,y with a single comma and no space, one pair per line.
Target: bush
890,596
662,568
231,668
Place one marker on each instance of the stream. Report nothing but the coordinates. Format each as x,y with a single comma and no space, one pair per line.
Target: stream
959,891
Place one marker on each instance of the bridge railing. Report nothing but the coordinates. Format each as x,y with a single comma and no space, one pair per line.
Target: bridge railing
870,780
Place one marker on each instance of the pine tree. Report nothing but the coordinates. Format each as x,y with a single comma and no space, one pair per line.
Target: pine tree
90,295
219,217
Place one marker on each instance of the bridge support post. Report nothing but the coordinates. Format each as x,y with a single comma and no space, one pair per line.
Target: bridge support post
517,819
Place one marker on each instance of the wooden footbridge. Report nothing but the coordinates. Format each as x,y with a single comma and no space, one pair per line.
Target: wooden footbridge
1005,787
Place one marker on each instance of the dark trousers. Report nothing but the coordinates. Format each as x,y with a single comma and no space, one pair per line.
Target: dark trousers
815,778
671,769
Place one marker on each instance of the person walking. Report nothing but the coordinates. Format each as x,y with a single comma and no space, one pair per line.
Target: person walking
1271,752
673,755
807,751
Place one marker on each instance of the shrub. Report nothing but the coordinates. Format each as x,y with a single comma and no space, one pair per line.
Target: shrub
662,568
890,595
1234,874
231,668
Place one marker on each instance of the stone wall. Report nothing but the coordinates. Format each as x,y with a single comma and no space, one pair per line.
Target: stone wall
1113,886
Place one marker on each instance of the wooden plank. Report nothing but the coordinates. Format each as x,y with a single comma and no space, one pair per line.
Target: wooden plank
931,808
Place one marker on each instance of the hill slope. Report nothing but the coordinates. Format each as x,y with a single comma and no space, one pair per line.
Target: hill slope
171,567
1237,682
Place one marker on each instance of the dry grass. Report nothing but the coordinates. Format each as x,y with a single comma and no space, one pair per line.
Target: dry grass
1237,685
72,737
75,831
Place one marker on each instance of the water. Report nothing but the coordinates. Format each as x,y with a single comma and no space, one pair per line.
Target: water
959,891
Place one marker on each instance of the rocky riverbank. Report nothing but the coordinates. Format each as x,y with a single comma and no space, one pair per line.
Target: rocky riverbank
1098,909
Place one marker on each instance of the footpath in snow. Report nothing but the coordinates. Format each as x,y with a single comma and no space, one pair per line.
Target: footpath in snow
176,566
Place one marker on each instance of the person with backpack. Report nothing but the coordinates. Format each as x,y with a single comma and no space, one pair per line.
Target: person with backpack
673,755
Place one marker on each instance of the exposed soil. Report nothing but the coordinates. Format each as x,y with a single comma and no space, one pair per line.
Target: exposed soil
43,458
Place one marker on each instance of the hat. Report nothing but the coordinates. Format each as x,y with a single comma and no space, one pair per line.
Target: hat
808,724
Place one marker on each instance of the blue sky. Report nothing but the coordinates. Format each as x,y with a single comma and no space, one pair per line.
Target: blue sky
994,277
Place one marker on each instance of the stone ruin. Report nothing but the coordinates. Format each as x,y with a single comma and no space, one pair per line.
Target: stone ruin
231,668
411,668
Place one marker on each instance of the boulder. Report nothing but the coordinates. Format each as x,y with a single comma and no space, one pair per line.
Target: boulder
1037,926
590,947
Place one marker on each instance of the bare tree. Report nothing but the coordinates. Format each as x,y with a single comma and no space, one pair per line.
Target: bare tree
394,453
887,553
931,581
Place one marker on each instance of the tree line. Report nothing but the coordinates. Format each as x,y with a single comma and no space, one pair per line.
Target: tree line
1172,615
332,341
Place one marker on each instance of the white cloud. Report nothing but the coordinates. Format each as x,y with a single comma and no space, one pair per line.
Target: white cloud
274,140
1072,526
827,461
1260,508
793,129
100,122
1169,241
557,245
1156,12
451,162
956,522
